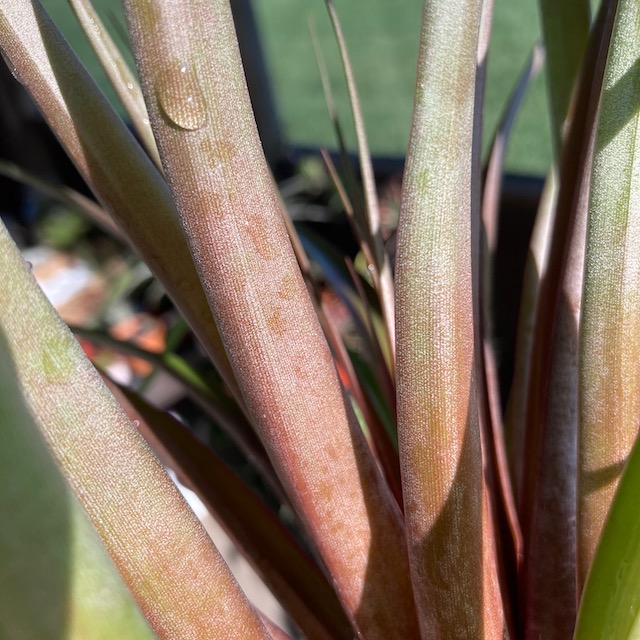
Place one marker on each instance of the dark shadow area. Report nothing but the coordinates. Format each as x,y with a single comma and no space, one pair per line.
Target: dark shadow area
36,536
549,591
27,141
519,204
452,551
596,480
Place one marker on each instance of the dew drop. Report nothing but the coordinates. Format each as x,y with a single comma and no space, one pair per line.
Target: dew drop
136,423
180,97
29,266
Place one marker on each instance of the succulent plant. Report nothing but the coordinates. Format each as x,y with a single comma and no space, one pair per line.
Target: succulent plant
447,522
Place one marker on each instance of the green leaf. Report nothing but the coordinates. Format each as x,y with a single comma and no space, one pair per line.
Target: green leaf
372,389
450,541
56,579
611,599
565,27
610,325
141,518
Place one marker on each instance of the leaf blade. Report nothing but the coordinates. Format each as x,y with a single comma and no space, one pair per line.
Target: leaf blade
565,28
438,430
141,518
610,324
611,601
286,568
52,560
110,160
231,215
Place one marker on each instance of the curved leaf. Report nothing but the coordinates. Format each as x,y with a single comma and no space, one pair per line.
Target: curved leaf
565,28
448,526
56,579
382,275
143,521
110,160
610,605
285,567
117,70
610,326
550,469
207,137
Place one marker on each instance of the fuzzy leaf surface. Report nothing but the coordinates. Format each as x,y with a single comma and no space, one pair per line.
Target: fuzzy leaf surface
141,518
610,326
454,576
106,154
230,212
56,579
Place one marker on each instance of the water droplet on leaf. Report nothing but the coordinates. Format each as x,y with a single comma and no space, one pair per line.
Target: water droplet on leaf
180,97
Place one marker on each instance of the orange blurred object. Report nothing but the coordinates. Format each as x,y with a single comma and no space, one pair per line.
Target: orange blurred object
146,332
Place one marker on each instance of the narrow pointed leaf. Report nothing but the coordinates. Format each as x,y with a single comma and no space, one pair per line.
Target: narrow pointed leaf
382,275
117,70
502,539
610,324
141,518
375,339
495,164
380,440
110,160
549,490
56,579
565,29
206,133
353,189
343,196
454,578
610,605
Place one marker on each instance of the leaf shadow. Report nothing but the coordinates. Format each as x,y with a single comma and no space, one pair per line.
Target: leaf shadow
623,99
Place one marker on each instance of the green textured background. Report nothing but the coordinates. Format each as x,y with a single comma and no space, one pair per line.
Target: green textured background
383,40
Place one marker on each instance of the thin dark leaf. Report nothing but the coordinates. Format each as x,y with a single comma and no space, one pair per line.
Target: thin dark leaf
293,576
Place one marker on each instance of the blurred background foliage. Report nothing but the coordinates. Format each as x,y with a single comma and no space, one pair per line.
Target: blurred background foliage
383,42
